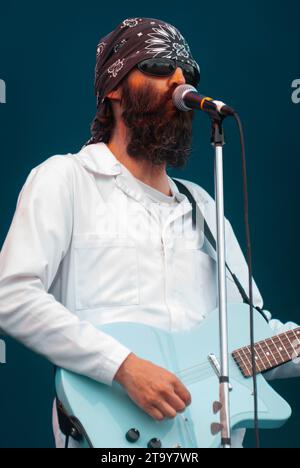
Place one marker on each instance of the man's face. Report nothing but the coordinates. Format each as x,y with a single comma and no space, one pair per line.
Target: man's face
158,131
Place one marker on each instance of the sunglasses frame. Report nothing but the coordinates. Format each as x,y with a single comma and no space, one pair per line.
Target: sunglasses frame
175,63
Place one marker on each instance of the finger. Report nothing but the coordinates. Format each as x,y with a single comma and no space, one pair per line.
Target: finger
176,402
155,413
166,409
182,392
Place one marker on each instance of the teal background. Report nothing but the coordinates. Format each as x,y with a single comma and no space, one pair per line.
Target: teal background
249,55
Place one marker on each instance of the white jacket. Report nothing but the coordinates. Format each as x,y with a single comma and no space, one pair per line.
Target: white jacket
82,250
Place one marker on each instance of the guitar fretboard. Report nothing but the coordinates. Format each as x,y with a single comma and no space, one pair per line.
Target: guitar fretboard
269,353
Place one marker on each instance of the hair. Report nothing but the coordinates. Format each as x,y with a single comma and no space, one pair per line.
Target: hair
102,124
104,121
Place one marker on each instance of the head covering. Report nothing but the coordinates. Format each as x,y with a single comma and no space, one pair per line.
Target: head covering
132,41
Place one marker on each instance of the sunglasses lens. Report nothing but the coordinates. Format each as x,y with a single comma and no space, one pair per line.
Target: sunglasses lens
190,73
157,67
165,67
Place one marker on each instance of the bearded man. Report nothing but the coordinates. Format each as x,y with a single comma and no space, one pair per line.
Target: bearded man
105,235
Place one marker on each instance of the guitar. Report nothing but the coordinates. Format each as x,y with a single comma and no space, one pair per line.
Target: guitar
109,416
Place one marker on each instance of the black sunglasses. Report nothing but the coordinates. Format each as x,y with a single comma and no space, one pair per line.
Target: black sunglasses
166,67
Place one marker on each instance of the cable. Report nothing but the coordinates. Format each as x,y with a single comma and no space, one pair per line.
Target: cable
249,261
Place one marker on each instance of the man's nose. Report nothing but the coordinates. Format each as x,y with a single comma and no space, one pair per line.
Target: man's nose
177,77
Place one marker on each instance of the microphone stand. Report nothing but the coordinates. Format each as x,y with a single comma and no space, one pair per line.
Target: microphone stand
218,141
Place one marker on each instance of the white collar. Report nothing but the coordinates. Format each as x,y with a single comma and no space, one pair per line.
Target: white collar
98,158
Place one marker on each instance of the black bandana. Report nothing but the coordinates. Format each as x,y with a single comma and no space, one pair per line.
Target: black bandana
134,40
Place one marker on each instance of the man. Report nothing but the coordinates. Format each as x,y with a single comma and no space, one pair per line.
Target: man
104,235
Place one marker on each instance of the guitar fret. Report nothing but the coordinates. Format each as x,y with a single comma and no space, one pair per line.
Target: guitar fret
240,361
270,353
239,358
294,341
266,356
291,344
288,354
286,341
247,369
278,352
260,365
297,335
296,332
281,349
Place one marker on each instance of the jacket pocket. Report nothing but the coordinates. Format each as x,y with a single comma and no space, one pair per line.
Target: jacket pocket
106,273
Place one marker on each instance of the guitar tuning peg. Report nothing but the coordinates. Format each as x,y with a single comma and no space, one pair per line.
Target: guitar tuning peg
216,428
217,406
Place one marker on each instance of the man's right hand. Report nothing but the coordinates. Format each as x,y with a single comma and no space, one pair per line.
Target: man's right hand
155,390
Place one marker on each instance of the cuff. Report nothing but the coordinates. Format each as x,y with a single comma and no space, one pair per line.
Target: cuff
112,364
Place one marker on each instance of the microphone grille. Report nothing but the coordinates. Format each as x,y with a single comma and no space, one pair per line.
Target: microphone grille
178,96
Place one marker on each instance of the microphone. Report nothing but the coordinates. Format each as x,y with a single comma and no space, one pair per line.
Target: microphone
186,97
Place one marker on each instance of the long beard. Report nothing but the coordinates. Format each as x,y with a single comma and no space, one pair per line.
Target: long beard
158,131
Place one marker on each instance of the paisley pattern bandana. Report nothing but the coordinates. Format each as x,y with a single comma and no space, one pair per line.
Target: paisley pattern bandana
134,40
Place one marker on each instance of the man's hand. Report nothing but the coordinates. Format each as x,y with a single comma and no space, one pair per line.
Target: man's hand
155,390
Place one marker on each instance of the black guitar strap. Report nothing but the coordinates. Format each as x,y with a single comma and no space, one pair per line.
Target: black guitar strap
210,238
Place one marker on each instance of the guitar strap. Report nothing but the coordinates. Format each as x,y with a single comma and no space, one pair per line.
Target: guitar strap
70,426
210,238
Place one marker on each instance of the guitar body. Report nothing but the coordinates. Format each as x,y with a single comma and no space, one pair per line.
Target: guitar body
107,413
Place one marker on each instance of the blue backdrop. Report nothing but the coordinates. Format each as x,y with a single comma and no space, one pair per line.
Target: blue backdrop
249,57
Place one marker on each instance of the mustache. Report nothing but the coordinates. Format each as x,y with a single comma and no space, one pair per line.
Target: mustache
168,95
146,100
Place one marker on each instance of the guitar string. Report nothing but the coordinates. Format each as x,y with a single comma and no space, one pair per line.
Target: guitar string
198,372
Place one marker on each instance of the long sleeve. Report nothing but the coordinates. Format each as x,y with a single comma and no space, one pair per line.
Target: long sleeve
240,268
37,241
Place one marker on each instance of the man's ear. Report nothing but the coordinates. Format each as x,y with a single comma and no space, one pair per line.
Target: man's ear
115,94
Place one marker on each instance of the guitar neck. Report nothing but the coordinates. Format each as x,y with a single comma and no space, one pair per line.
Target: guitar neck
269,353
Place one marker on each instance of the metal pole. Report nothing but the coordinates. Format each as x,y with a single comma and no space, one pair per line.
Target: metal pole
218,142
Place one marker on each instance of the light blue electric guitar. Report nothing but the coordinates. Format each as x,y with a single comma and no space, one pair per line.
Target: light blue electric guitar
111,419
